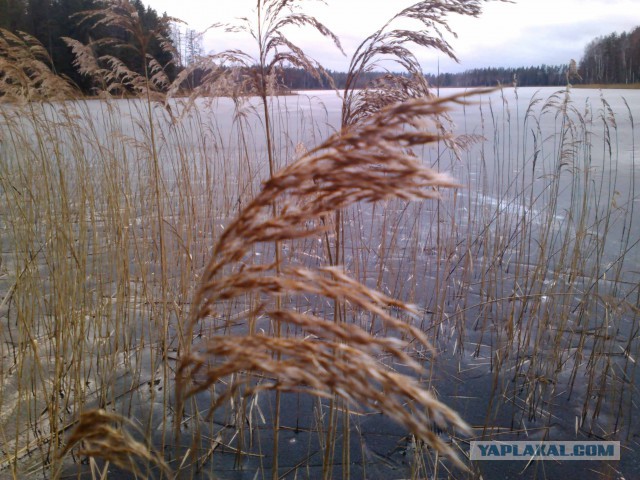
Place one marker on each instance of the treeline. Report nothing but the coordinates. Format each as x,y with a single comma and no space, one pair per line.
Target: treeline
291,78
51,20
544,75
300,79
614,58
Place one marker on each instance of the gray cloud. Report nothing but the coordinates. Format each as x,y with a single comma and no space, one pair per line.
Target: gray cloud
529,32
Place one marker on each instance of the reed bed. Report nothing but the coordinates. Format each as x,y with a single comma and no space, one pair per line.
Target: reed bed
179,298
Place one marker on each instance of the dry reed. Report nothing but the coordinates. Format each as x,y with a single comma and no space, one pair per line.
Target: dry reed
25,72
528,276
105,435
368,162
395,45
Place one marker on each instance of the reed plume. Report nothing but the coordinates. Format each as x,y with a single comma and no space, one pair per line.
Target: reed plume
143,75
101,434
393,45
367,162
25,72
236,73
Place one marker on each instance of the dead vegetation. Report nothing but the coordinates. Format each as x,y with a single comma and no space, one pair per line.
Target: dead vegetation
163,273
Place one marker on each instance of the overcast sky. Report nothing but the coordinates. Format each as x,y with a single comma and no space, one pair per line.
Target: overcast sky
527,32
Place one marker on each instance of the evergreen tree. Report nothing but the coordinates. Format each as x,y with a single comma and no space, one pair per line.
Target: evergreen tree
51,20
614,58
13,15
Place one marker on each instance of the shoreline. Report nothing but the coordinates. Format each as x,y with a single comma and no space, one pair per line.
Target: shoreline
609,86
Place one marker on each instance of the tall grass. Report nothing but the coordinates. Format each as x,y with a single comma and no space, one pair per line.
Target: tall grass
160,316
539,286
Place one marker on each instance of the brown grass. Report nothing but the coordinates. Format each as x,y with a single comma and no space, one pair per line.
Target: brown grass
25,72
396,45
105,435
112,210
368,162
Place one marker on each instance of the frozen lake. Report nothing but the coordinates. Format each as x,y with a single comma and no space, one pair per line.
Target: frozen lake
527,276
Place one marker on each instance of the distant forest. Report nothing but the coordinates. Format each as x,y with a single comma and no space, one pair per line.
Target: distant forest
51,20
612,59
